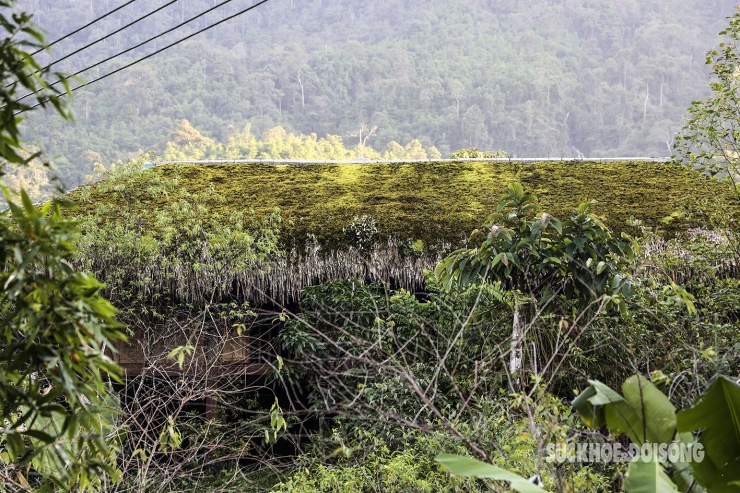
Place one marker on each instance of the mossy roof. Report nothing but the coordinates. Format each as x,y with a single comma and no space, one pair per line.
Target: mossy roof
438,203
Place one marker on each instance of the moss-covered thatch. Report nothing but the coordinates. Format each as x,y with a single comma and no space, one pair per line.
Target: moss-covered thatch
433,202
423,208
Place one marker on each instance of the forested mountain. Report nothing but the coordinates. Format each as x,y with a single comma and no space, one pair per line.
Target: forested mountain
534,78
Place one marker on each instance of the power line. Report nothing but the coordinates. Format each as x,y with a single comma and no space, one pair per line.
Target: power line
154,53
82,28
135,46
98,41
110,34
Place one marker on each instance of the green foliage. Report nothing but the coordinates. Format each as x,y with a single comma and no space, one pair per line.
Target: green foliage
180,353
717,413
277,422
170,438
189,249
381,358
356,454
362,232
645,415
474,153
467,467
548,265
53,366
710,140
21,74
55,327
693,325
174,240
276,143
367,350
379,470
647,477
576,260
347,328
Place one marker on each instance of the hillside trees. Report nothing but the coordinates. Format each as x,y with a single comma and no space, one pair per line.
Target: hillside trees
187,143
35,178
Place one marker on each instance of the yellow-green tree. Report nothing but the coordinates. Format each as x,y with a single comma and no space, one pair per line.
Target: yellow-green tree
188,143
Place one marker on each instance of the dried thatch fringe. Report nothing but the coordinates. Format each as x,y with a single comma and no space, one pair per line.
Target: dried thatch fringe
283,283
280,280
276,280
724,266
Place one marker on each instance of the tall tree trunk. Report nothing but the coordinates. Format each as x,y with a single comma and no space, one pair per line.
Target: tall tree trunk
517,334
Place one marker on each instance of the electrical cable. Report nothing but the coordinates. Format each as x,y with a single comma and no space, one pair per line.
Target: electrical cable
127,50
109,34
82,28
96,42
120,69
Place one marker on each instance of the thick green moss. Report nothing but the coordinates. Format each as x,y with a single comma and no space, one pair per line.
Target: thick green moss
437,203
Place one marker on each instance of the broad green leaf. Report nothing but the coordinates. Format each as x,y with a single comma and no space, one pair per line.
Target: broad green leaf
467,467
717,412
39,435
655,413
647,477
498,258
516,189
683,473
590,403
643,414
555,223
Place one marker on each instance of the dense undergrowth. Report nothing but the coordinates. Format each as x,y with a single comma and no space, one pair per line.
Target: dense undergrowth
373,381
